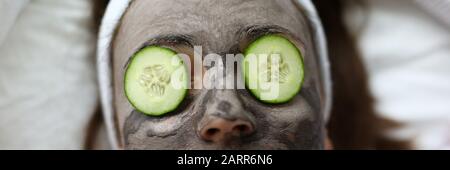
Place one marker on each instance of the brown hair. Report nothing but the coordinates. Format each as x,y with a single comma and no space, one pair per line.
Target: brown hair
94,125
353,124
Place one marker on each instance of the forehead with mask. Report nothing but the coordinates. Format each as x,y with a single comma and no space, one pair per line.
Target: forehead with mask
230,118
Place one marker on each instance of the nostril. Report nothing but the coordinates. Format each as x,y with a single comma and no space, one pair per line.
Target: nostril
212,132
243,129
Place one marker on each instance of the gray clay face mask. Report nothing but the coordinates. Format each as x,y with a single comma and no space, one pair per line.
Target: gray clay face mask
218,118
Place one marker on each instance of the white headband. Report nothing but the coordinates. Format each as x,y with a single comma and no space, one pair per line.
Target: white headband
111,19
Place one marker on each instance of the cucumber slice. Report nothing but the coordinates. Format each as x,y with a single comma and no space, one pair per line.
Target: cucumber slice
155,81
290,68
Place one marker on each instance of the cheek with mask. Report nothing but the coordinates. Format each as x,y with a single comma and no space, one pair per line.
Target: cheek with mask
244,74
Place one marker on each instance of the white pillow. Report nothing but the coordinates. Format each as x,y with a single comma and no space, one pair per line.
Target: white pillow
407,53
48,89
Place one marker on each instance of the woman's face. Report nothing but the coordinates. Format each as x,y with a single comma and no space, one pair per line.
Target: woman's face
217,118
